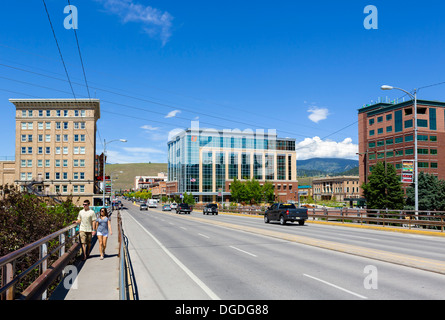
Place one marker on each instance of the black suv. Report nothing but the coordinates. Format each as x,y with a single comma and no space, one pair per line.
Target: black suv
183,207
210,208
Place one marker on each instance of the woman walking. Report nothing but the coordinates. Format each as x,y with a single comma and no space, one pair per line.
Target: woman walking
103,227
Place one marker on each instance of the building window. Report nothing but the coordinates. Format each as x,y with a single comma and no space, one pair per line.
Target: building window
258,166
245,165
433,125
233,166
281,167
371,132
398,118
408,123
389,129
422,123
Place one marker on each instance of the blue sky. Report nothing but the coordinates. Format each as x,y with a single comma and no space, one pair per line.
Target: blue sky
302,68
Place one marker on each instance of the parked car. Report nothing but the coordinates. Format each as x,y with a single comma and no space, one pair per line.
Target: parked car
166,207
284,212
174,205
152,205
143,206
210,208
183,207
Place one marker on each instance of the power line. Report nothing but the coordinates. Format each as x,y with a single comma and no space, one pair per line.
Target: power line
149,101
238,109
58,47
80,54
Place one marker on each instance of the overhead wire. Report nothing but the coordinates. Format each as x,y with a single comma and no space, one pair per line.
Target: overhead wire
148,101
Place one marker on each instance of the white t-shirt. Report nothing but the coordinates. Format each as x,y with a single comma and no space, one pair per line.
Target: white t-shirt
86,220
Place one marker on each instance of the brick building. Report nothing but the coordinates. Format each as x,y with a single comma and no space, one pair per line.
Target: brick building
386,133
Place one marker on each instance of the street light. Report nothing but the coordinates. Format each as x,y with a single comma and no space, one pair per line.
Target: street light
416,174
105,144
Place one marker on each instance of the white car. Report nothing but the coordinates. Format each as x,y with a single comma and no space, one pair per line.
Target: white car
152,205
174,205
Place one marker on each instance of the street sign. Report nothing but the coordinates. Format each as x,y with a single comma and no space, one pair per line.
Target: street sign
407,171
407,178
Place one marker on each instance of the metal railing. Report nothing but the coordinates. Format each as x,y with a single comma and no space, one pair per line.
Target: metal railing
386,218
401,218
127,283
47,273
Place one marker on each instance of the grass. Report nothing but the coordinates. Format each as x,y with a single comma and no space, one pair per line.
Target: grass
125,180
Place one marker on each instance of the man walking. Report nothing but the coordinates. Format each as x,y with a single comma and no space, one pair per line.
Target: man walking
86,219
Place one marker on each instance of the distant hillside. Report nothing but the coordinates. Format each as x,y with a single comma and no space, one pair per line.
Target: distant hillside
125,180
326,166
309,168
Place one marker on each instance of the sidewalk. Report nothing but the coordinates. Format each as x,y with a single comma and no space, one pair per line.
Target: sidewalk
97,279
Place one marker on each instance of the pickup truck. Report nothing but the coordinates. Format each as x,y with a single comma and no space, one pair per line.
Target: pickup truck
183,207
210,208
284,212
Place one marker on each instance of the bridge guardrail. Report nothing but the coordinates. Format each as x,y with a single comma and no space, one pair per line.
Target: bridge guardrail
385,217
127,282
47,273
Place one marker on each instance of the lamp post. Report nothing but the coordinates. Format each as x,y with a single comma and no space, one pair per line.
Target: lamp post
105,145
416,174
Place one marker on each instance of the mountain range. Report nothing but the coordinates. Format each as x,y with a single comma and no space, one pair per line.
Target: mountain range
327,166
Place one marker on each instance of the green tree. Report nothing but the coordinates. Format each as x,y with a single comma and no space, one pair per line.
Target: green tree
188,198
431,193
254,191
236,190
268,192
384,189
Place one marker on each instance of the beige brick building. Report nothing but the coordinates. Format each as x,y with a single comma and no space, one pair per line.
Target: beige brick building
55,144
339,188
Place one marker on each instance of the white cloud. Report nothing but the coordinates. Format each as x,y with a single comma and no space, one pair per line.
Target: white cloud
318,148
154,22
318,114
172,114
149,127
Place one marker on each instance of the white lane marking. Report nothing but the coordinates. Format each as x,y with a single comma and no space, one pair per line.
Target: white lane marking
253,255
203,235
335,286
183,228
201,284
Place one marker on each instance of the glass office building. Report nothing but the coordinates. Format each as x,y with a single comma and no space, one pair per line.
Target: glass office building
204,161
